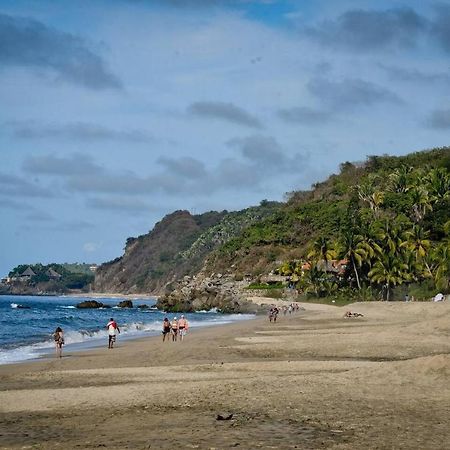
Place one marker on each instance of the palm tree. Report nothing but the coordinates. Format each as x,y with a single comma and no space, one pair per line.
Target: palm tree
442,267
368,194
421,203
417,242
287,268
356,250
438,182
311,281
399,179
322,248
388,235
389,270
440,261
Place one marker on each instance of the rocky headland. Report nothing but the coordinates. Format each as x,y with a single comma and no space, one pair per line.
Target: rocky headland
204,293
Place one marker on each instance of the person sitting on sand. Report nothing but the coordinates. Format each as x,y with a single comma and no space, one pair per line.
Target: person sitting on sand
352,314
112,328
174,326
166,329
183,326
58,336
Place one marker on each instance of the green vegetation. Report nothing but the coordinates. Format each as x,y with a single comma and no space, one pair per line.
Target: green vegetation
265,286
54,277
380,229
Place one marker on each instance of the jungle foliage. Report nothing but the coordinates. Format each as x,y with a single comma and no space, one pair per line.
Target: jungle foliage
372,228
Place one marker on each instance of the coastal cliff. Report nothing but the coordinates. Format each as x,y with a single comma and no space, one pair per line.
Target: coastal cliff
177,246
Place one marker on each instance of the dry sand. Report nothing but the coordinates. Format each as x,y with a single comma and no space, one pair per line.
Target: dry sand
312,380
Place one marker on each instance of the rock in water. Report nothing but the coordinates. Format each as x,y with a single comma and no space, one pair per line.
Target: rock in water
125,304
90,304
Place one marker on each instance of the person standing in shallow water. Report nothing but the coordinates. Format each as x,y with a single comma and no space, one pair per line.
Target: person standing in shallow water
113,329
58,336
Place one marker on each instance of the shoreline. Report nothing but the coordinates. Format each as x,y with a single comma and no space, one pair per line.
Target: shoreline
134,326
312,380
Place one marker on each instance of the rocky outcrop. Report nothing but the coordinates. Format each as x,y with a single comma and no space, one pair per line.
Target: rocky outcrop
125,304
152,260
91,304
206,293
177,246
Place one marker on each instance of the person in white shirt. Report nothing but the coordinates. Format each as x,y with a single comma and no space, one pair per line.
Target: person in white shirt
113,329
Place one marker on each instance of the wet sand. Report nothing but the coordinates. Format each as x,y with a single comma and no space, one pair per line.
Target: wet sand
312,380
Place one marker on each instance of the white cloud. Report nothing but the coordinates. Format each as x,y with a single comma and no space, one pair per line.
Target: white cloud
91,247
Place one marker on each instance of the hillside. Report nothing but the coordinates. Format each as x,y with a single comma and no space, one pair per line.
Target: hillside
387,219
177,246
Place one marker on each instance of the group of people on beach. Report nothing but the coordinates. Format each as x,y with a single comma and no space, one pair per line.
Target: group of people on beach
274,311
112,328
176,327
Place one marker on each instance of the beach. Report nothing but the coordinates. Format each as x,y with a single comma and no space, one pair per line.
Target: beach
312,380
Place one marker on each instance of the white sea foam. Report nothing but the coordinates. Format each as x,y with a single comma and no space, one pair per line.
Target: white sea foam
82,339
67,307
212,310
14,305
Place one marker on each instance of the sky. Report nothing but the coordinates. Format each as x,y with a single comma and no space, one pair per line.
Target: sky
115,113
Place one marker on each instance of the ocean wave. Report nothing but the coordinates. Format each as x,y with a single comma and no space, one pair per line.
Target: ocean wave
86,338
75,338
212,311
67,307
220,320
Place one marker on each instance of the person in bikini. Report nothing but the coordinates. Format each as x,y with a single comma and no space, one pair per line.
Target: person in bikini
174,326
58,337
166,329
183,326
112,328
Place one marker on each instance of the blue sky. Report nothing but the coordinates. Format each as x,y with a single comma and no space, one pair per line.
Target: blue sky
116,113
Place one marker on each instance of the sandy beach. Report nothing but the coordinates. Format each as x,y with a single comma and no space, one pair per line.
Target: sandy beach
312,380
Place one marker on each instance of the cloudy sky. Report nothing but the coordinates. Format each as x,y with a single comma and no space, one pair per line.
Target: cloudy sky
115,113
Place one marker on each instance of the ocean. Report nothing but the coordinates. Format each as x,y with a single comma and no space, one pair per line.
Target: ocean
26,333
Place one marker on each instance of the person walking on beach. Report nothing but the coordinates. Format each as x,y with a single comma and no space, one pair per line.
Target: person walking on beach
113,329
58,336
174,326
166,329
183,326
275,313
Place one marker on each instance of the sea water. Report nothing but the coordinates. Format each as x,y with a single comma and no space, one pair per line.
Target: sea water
27,323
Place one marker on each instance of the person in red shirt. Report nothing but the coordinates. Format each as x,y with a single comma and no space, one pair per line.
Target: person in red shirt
113,329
